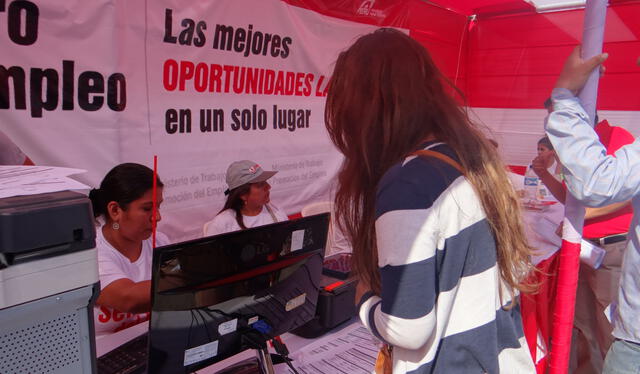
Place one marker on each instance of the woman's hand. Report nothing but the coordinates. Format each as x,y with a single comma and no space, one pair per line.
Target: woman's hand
576,71
539,166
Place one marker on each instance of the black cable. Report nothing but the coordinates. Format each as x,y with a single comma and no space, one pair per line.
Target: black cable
189,332
229,315
287,360
317,286
283,351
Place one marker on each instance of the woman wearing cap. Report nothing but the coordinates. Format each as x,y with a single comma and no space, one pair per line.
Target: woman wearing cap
247,202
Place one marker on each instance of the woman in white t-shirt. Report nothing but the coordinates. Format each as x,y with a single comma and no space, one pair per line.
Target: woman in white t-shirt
247,202
548,169
548,158
124,204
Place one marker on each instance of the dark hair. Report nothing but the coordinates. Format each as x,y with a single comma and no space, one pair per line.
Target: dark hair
122,184
548,104
236,203
546,142
386,96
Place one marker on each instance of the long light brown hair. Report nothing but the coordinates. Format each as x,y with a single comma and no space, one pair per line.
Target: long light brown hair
386,97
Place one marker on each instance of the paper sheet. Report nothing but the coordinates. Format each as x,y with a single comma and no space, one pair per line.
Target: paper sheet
31,180
350,350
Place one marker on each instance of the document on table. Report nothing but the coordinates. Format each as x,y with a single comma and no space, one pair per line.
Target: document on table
350,350
31,180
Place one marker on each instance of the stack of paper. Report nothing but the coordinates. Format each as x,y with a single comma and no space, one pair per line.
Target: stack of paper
31,180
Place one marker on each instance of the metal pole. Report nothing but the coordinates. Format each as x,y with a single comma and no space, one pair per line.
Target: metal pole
592,39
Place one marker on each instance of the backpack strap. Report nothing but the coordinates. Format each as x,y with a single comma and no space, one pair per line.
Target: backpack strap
440,156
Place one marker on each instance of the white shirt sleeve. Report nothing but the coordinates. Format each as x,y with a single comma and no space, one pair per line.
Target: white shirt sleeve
592,176
109,266
222,223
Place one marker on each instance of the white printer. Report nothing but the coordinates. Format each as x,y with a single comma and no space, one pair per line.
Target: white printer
48,284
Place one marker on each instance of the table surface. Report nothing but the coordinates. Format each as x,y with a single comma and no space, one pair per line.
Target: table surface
540,228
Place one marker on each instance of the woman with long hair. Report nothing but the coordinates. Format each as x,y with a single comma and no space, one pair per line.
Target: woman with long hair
124,206
438,244
248,200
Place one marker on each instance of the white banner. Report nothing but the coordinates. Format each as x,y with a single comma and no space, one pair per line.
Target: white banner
200,84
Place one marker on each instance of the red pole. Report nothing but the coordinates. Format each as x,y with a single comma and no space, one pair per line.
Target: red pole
154,199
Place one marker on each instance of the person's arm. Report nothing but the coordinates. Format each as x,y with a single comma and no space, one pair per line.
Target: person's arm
553,185
592,177
406,240
127,296
220,224
559,191
406,317
119,291
605,210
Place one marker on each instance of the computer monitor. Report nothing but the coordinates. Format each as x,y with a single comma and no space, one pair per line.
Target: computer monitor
217,296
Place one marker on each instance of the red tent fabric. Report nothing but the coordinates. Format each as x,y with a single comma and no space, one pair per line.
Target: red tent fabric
510,56
516,59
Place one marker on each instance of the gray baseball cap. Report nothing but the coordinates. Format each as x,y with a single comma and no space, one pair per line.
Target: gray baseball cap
245,171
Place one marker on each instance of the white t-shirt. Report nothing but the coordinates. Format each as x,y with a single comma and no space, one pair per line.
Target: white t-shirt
517,181
226,220
113,265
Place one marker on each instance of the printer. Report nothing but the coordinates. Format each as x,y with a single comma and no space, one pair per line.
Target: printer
48,283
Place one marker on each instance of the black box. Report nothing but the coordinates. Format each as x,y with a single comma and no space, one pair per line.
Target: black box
336,304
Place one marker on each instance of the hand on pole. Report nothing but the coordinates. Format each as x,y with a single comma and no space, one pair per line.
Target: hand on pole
575,71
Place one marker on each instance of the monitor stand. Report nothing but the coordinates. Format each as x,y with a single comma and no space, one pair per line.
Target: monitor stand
261,364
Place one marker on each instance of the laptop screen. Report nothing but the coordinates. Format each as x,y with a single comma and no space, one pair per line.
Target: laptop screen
217,296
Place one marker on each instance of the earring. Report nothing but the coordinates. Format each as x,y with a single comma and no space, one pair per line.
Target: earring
115,226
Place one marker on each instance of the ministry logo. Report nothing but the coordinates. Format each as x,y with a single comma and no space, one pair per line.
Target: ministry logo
365,7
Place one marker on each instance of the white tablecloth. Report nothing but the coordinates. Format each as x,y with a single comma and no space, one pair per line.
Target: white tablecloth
540,228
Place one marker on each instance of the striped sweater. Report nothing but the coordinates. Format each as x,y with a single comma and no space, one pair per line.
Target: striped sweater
440,307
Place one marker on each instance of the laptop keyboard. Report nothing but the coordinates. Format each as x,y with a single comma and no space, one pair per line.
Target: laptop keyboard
128,358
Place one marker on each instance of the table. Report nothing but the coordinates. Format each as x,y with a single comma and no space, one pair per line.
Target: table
540,228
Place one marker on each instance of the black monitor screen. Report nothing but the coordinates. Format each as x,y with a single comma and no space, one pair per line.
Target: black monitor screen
217,296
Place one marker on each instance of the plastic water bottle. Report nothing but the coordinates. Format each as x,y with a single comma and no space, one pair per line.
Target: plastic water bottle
543,193
531,184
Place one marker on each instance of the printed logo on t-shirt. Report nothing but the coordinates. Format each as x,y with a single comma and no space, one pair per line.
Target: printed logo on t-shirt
112,320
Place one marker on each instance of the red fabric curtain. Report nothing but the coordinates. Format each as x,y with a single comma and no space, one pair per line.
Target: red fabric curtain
514,60
511,55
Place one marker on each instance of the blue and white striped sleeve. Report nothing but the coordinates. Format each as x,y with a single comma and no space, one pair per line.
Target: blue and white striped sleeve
408,235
